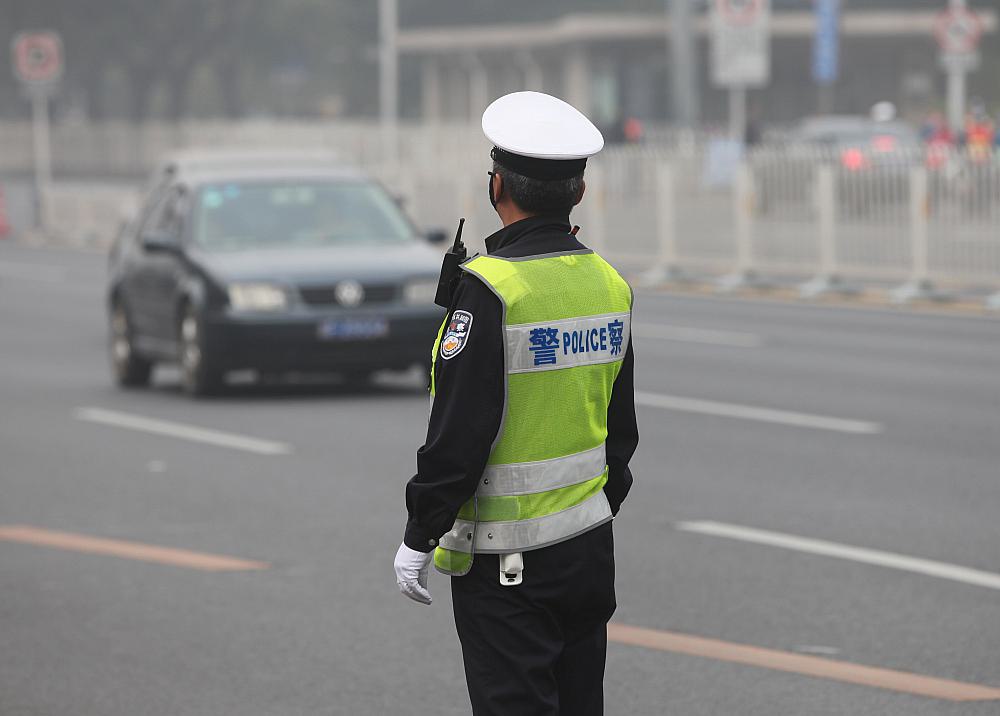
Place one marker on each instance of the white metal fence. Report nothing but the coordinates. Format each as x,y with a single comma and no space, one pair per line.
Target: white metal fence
680,204
90,213
772,212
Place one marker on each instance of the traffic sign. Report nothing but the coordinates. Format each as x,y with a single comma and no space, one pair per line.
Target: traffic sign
958,30
38,63
826,43
739,12
741,42
37,57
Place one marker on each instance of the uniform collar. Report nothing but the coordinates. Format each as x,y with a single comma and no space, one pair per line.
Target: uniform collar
512,233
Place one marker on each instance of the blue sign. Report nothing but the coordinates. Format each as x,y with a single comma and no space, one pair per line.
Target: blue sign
826,44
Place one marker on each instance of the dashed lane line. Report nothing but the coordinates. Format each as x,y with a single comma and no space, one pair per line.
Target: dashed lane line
182,431
891,560
707,336
831,669
127,550
751,412
32,272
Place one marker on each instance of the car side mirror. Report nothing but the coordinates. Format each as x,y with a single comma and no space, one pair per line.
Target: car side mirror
436,236
160,242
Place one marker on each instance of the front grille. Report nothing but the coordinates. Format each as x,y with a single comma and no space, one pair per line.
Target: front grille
327,295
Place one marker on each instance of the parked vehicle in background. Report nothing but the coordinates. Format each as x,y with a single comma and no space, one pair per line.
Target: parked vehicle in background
277,263
872,161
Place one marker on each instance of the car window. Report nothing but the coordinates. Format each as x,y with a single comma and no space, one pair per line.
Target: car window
237,216
883,139
885,136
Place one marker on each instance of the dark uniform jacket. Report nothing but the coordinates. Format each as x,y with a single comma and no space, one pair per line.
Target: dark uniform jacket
468,407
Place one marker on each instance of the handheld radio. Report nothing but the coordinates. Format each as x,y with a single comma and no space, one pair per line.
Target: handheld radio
449,269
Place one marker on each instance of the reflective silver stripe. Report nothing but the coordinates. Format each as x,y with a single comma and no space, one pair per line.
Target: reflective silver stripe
522,478
575,341
460,538
524,535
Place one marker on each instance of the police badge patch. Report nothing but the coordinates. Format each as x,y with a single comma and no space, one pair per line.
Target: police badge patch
456,335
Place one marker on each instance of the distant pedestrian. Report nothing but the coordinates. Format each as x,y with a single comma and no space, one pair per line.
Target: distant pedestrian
980,135
939,140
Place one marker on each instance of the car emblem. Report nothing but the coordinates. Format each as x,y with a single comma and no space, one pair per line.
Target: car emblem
349,293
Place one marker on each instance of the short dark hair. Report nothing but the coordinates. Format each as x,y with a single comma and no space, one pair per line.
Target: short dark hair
556,196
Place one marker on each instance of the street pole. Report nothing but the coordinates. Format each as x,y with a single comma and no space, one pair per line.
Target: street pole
684,89
38,64
388,22
478,84
824,98
43,156
956,99
956,85
737,113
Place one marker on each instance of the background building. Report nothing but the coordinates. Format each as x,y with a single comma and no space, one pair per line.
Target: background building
616,64
203,59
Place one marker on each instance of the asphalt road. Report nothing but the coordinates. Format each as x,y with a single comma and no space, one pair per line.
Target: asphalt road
823,429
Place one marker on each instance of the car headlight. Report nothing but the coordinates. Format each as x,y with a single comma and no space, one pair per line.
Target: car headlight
257,297
420,292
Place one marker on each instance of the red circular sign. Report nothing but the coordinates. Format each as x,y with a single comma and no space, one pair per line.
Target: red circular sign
739,12
958,31
37,57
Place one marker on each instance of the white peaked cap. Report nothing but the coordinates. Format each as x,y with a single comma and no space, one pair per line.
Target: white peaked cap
537,125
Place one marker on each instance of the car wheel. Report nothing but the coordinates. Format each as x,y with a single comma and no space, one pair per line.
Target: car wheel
199,374
130,369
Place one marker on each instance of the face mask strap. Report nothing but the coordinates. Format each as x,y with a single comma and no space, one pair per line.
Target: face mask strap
493,200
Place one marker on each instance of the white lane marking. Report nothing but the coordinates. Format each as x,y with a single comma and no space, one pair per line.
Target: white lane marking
687,334
941,570
750,412
184,432
32,272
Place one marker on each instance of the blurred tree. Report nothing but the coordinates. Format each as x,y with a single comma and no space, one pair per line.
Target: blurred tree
135,58
160,46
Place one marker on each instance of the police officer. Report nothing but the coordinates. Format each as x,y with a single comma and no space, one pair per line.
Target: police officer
531,431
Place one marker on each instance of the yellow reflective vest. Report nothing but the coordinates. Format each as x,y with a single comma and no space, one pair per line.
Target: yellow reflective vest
566,323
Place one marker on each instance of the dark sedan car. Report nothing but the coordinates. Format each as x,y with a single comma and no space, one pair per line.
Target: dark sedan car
872,162
279,264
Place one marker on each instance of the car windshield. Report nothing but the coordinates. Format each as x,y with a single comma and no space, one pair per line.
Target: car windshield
239,216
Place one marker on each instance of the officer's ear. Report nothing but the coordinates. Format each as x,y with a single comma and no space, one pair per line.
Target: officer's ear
497,185
583,190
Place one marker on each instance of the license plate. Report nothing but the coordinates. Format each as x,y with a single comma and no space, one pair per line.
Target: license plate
353,329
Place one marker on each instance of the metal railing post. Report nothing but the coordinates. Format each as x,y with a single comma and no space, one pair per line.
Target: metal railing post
826,280
665,269
743,275
742,198
919,285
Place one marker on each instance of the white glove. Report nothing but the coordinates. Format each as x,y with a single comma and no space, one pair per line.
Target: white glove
411,573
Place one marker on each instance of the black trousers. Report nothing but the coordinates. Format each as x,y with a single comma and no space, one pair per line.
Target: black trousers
538,649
